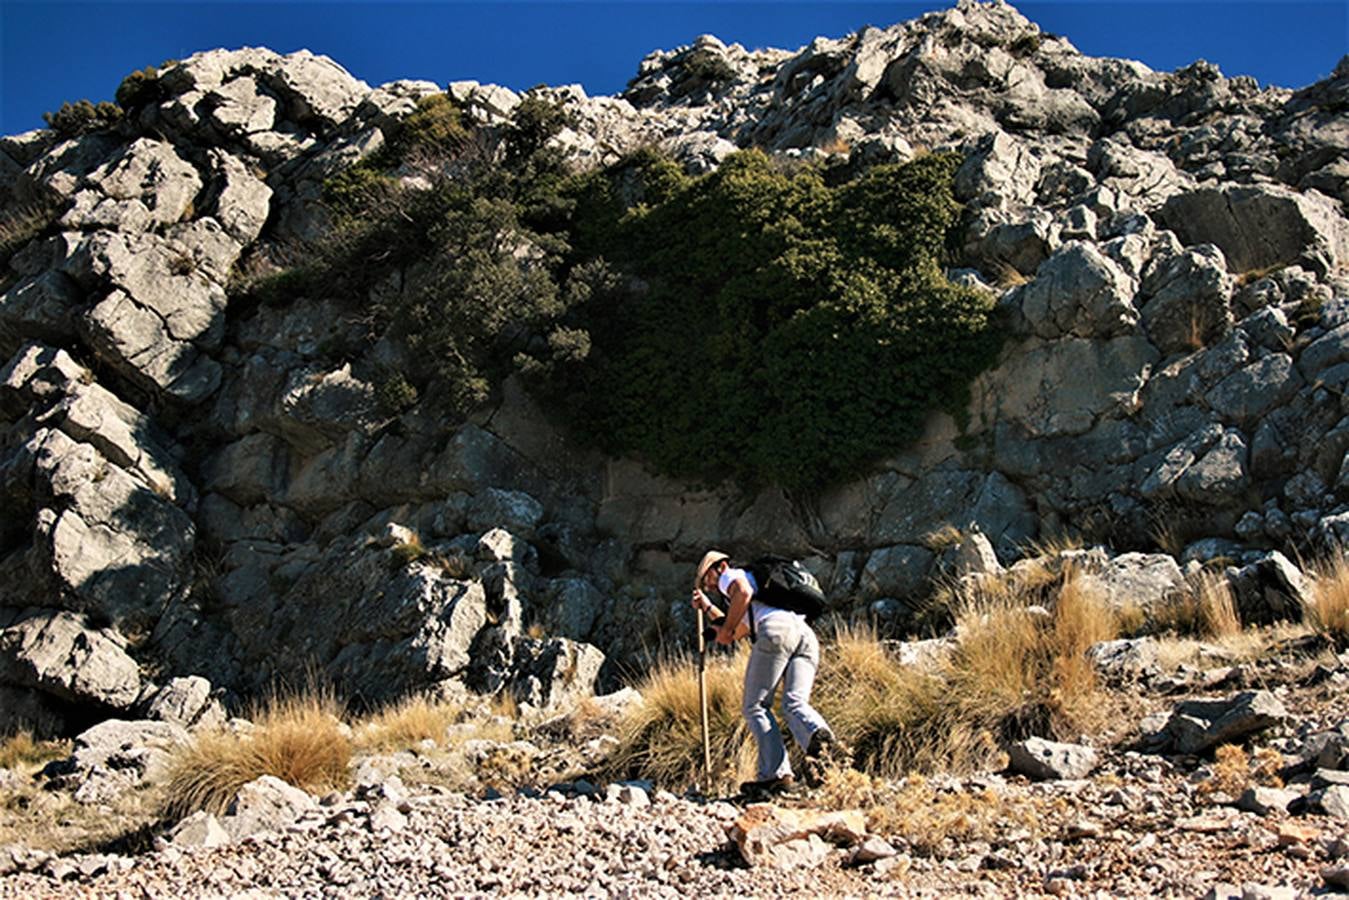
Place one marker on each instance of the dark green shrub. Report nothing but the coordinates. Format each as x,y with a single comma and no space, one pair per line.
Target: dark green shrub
1026,45
394,393
534,121
82,117
352,192
709,66
140,88
787,332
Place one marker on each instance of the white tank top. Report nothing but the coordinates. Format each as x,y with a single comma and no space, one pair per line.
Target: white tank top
762,611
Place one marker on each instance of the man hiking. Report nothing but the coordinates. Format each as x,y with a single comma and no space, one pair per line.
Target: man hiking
785,650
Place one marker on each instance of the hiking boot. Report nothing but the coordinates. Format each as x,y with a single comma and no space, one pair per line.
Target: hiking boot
769,787
819,743
825,752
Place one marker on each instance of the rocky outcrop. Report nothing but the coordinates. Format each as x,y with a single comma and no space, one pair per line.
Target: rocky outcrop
1166,250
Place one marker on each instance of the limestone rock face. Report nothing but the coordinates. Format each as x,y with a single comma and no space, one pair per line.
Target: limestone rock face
219,476
1258,226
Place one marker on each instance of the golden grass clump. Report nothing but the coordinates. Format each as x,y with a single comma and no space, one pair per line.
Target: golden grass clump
932,821
1234,770
299,739
894,717
944,538
1329,611
22,750
1019,671
661,737
406,724
1206,609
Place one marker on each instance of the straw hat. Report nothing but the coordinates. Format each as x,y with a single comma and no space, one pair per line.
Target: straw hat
710,559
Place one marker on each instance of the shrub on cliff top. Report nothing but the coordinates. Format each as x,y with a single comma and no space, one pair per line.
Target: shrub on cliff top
784,332
82,117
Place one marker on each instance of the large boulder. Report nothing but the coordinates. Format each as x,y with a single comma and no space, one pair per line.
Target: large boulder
1077,291
41,307
158,314
187,702
146,184
1260,226
113,545
266,804
115,756
1186,299
1040,389
1270,589
547,673
897,571
395,616
1141,580
57,653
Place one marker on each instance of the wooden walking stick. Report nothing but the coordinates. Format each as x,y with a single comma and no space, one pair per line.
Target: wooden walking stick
702,703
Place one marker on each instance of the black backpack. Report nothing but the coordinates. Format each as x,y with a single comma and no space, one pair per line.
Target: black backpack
786,584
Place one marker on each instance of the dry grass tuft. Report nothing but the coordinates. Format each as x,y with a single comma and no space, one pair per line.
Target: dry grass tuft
22,750
1006,275
1206,609
944,538
934,822
1329,613
299,739
406,724
1234,771
894,717
661,739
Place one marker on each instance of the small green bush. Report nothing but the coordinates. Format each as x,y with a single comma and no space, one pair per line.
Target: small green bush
395,394
534,121
709,66
82,117
352,192
436,129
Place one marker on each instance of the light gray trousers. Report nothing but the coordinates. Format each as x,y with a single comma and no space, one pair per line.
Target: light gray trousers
786,650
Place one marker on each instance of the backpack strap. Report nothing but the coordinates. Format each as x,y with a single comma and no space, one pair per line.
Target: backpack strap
749,610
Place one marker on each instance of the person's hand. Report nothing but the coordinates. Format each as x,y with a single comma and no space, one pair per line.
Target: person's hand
724,637
700,602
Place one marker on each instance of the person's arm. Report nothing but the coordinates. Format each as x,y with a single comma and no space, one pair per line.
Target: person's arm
734,626
700,601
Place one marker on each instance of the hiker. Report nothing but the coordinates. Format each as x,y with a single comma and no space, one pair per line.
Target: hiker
785,650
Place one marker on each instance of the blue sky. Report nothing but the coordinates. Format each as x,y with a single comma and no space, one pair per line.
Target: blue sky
55,51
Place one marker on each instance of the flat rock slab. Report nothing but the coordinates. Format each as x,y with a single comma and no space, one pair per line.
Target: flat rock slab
1197,726
768,835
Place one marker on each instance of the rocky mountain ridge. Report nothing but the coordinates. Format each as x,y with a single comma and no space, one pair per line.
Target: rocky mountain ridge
193,488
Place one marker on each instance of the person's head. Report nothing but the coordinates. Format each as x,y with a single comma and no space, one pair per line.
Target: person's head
714,562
